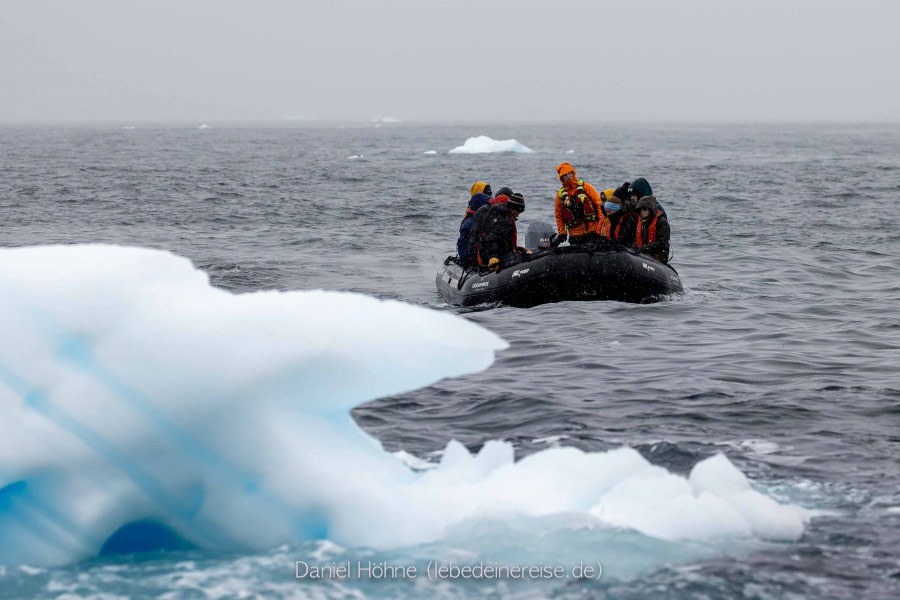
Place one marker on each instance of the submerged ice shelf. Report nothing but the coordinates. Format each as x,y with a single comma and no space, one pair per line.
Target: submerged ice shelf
135,397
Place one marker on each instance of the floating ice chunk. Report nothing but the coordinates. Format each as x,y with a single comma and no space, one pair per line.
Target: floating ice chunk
385,120
355,157
766,518
131,391
570,152
715,502
204,126
430,152
550,440
483,144
760,446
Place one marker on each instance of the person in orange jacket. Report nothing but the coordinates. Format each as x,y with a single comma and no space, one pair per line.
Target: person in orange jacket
577,207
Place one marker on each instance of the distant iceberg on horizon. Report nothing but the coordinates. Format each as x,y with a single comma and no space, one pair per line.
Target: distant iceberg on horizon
484,145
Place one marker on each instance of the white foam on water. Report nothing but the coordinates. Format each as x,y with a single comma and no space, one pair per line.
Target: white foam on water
132,390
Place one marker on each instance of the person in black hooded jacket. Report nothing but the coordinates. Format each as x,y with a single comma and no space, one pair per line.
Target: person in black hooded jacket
640,188
494,233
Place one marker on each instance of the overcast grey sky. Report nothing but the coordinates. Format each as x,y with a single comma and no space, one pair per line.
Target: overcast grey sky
435,60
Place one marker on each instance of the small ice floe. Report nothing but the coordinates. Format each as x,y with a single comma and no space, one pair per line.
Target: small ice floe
430,152
615,343
550,440
894,510
570,152
483,145
386,120
204,126
128,127
355,157
760,446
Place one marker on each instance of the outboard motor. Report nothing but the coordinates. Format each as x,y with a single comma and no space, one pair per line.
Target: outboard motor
538,235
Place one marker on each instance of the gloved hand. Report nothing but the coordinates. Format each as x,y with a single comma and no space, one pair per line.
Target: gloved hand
558,238
494,264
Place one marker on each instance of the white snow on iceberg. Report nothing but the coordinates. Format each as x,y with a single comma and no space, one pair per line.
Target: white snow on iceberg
131,391
483,144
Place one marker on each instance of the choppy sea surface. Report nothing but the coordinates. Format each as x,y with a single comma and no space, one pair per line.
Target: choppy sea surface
784,352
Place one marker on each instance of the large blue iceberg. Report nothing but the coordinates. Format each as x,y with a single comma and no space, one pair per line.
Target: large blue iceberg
137,402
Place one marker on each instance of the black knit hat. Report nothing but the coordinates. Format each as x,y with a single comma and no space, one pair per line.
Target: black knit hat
516,202
622,191
504,191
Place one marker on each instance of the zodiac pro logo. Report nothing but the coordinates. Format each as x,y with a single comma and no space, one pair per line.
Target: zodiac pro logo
648,267
483,284
520,272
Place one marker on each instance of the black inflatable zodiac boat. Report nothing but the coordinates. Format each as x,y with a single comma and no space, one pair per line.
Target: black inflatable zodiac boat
598,271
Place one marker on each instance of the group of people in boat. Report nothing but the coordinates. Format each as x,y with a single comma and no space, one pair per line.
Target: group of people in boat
629,215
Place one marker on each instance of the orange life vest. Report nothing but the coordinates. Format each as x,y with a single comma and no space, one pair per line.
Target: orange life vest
651,230
577,208
603,226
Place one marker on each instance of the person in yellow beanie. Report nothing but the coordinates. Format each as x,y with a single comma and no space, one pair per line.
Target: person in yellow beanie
480,187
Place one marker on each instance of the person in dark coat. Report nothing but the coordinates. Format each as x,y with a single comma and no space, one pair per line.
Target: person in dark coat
465,228
640,188
621,219
652,235
494,233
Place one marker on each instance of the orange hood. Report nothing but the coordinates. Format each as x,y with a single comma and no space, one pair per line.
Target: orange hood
564,168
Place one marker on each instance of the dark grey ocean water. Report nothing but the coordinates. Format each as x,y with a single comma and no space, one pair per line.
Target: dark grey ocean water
784,353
